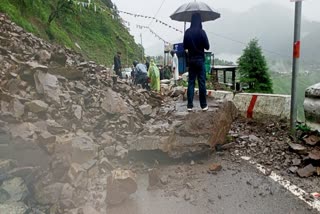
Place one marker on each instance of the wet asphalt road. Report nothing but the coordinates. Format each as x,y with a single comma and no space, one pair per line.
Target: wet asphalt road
239,188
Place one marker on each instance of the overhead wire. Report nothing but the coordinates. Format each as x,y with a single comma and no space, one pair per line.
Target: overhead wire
155,15
219,35
245,44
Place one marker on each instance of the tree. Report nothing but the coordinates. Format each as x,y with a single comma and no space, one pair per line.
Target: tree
62,7
254,70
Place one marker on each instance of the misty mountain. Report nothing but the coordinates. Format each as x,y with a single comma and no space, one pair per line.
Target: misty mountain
271,24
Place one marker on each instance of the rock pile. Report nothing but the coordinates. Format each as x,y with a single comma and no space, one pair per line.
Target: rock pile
65,114
65,125
269,144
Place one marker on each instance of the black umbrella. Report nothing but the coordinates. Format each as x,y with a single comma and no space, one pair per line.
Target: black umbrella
185,11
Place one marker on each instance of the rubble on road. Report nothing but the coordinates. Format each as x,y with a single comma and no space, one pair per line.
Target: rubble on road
55,101
67,124
270,144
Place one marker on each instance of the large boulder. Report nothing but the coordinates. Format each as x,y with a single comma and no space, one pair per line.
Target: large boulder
48,85
43,56
24,131
37,106
313,91
49,194
312,106
188,133
120,185
83,149
16,189
113,103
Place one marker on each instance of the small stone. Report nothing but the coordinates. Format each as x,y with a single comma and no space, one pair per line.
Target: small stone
4,196
297,148
293,169
121,152
254,139
192,163
187,196
314,154
189,186
228,146
296,162
54,127
106,164
215,167
76,175
164,180
45,138
318,171
154,178
146,109
83,149
312,140
306,171
77,111
110,151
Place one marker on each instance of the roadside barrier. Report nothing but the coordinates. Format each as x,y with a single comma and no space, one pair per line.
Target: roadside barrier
255,105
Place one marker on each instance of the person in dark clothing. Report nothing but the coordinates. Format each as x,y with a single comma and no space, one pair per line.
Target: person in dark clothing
140,74
148,63
117,64
195,41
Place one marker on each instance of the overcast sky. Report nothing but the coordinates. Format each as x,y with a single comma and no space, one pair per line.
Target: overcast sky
150,7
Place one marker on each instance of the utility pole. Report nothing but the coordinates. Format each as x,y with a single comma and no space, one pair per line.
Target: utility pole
141,48
295,65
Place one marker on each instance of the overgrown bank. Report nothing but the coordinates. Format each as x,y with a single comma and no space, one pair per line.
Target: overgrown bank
94,32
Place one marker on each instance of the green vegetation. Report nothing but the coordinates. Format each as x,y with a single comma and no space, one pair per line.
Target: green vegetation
282,85
99,34
254,70
218,61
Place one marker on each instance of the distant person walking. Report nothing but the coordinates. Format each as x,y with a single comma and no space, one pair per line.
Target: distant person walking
195,41
175,66
154,75
117,64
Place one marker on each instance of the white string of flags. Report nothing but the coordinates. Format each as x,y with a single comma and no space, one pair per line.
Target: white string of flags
96,8
152,32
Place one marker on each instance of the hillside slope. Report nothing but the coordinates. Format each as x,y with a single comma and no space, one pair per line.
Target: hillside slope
97,34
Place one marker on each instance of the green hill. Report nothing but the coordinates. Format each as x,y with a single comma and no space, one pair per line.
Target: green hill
282,85
94,32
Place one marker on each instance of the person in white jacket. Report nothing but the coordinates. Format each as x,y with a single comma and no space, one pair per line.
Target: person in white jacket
175,67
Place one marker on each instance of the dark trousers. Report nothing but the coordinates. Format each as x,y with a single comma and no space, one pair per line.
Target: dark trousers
197,71
142,79
118,73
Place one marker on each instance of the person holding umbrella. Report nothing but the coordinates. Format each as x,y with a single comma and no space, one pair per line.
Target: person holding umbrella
195,41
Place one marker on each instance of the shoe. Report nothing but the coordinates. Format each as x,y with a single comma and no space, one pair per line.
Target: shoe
205,109
189,109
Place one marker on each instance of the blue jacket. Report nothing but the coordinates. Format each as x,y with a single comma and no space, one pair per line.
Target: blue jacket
195,38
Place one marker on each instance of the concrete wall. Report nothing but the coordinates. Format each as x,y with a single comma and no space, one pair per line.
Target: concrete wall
254,105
